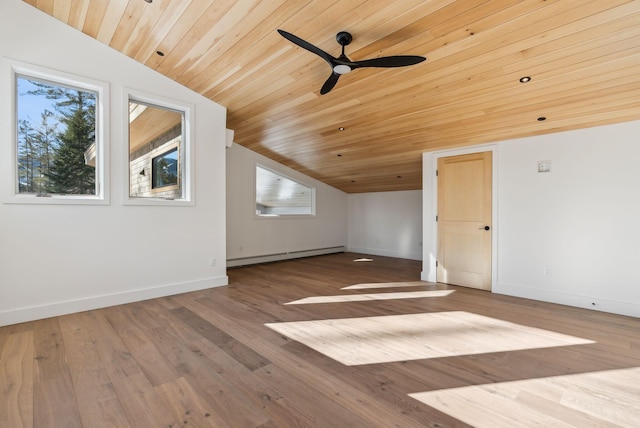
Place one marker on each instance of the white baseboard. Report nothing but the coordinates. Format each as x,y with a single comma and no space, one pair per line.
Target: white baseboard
266,258
30,313
385,253
580,301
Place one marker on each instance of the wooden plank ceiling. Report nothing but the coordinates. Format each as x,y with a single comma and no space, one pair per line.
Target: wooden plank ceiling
583,58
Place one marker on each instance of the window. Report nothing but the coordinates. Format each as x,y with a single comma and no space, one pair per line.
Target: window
164,170
58,146
158,151
277,195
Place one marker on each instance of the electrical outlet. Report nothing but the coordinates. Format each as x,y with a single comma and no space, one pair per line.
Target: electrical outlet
212,261
544,166
547,271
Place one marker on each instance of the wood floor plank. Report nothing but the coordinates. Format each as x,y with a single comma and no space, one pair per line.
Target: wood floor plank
387,382
575,400
98,402
229,379
352,398
258,394
16,380
210,371
207,358
231,386
564,414
309,403
186,404
251,359
389,338
139,400
148,357
54,399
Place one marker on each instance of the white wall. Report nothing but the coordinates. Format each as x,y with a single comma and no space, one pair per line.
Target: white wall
62,258
386,224
249,236
580,219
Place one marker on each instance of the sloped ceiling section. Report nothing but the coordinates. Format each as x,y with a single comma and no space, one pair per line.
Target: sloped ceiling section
582,57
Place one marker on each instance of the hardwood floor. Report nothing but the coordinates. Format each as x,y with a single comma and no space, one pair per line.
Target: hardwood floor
208,358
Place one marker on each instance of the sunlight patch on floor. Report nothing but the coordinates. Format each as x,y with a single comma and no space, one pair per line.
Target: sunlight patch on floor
366,297
385,285
596,399
382,339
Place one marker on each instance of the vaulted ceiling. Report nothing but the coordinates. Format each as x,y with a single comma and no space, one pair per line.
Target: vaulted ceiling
583,58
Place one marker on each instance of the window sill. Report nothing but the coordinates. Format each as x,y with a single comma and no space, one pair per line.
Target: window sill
164,202
284,216
56,200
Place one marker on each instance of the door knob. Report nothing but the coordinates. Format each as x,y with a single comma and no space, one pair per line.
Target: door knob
485,228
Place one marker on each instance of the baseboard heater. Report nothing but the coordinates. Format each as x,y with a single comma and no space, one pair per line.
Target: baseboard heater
266,258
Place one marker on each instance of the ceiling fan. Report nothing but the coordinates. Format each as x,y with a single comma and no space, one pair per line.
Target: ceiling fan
342,64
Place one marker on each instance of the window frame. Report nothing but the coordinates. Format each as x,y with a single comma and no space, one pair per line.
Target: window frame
15,69
288,177
185,149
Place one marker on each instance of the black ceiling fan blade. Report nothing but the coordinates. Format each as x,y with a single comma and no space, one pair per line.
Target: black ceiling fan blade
306,45
390,61
330,83
342,64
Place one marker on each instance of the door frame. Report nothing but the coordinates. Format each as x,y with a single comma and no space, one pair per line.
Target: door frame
430,208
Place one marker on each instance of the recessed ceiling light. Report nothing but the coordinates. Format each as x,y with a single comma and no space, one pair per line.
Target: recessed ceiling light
542,119
525,79
160,53
341,128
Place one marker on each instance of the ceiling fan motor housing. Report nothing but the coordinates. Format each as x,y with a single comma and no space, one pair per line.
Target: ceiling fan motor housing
344,38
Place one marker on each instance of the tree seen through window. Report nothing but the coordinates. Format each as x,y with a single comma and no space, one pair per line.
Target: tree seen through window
56,127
